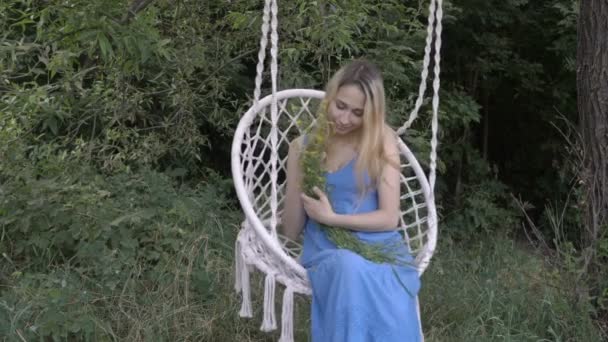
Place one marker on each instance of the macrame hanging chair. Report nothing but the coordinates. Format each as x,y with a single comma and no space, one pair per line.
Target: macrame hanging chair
258,161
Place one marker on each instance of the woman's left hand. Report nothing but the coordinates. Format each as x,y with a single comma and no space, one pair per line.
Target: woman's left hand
320,209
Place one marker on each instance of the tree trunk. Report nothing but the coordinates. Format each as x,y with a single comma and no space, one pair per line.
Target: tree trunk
592,88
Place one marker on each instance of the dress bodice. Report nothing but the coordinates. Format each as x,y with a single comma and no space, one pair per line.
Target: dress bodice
346,198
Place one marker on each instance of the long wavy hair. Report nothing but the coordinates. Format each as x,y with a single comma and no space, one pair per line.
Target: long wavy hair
372,157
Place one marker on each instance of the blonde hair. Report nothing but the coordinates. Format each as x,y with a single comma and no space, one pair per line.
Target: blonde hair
367,77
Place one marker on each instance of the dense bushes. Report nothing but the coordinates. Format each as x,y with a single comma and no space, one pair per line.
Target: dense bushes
72,237
117,217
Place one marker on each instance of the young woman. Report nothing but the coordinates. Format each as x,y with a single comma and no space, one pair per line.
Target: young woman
354,299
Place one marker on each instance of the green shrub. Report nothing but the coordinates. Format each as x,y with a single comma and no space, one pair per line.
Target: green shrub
498,290
78,242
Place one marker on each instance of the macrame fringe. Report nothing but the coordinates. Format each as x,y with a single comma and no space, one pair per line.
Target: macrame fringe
246,305
269,323
419,320
238,267
242,284
287,316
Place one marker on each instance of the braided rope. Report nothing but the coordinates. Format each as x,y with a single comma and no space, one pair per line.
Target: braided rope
434,28
274,156
435,120
262,53
425,69
258,90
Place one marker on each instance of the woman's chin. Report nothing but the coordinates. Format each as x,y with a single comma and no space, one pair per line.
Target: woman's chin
338,132
342,131
351,133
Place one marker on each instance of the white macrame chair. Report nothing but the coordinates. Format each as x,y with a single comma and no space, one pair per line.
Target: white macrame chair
258,159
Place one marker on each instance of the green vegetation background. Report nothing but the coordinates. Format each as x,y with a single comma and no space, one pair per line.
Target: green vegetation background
118,215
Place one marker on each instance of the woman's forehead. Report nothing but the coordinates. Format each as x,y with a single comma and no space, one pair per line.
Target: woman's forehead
351,95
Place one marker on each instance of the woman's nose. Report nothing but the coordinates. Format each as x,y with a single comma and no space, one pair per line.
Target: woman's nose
342,117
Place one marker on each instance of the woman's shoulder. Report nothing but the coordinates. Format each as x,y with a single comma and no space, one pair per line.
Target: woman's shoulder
298,141
295,145
390,139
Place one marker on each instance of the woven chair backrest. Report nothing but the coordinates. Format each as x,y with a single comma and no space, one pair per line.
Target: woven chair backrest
297,110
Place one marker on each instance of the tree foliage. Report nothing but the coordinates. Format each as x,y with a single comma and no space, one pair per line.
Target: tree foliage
116,119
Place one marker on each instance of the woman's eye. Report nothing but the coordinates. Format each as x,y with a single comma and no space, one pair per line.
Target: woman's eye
340,105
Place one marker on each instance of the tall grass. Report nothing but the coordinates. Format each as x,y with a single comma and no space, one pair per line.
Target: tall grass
495,289
169,275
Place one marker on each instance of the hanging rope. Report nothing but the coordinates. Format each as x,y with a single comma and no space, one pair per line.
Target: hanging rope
257,91
274,156
262,53
270,16
434,28
435,119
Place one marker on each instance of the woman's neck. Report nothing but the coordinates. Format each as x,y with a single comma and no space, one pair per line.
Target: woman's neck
350,140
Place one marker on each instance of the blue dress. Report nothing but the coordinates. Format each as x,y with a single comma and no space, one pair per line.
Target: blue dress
354,299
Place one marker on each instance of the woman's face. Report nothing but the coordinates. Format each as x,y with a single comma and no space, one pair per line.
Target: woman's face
346,110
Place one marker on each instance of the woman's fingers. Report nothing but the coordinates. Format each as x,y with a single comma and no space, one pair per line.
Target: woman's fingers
306,198
318,209
308,201
322,196
319,193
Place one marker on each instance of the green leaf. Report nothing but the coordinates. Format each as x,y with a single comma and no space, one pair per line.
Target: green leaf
51,123
105,46
135,216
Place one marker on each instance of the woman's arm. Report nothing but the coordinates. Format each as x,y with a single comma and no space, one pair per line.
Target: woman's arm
293,212
387,215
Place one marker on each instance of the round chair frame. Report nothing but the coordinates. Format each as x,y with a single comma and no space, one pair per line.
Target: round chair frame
261,246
